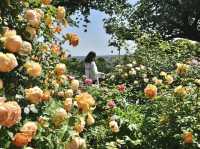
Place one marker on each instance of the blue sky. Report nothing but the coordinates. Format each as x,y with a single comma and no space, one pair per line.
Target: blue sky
94,39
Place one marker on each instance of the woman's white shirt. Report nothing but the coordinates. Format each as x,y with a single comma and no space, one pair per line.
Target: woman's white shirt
91,71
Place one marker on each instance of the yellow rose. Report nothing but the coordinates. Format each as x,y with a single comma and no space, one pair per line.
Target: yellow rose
180,90
74,85
60,13
114,126
13,43
33,69
10,113
26,48
33,17
150,91
29,128
9,33
1,84
162,73
62,79
85,101
60,69
79,126
59,117
7,62
68,104
61,94
182,69
169,79
90,119
69,93
34,95
73,39
76,143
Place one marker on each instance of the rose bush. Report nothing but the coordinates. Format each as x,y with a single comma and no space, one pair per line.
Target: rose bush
38,108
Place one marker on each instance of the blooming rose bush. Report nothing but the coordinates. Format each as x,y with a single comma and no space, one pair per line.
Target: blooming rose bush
41,106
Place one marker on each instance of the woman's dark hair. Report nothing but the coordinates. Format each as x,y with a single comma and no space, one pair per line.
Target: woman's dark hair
90,57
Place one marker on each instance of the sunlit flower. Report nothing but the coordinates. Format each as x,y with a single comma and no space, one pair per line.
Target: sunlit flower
150,91
68,104
180,90
182,69
33,108
142,67
169,79
79,126
26,48
61,94
12,42
132,72
10,113
188,138
114,126
69,93
90,119
29,128
21,139
162,73
33,69
33,17
59,116
76,143
55,48
60,69
26,110
7,62
60,13
85,101
134,62
74,85
73,39
146,80
118,66
129,65
138,68
34,95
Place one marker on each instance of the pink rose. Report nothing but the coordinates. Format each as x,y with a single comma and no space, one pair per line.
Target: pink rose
111,104
88,81
121,88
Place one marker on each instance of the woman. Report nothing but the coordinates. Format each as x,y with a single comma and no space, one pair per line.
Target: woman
91,70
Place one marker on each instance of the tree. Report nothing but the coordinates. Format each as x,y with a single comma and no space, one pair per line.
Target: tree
171,19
